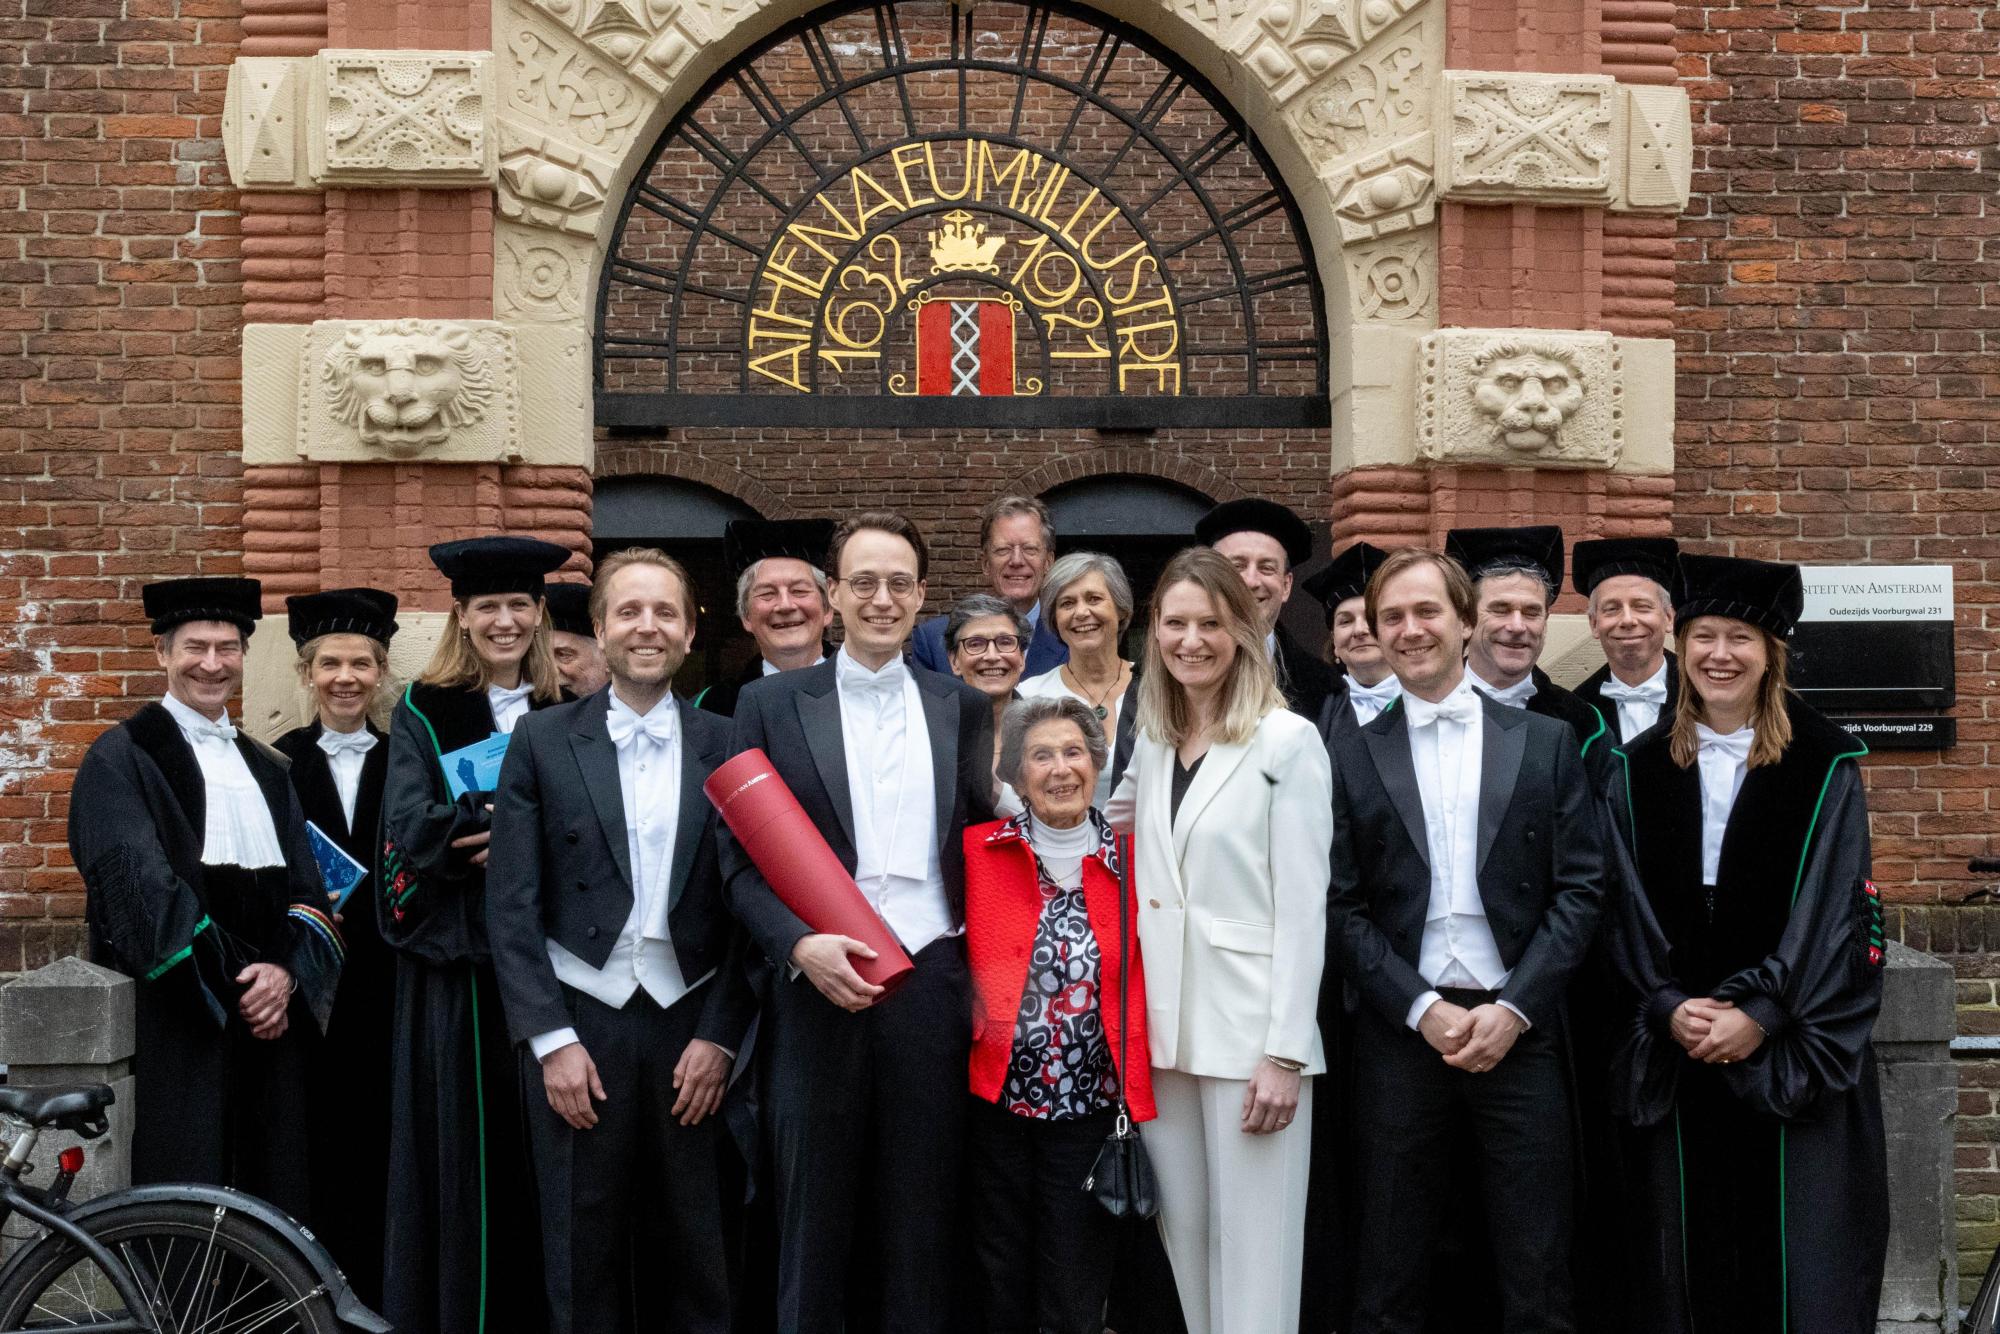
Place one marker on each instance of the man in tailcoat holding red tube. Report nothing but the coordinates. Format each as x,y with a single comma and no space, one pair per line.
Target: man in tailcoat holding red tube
864,1092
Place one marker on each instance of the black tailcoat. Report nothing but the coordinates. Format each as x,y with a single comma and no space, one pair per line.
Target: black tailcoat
1302,675
864,1112
221,1106
349,1076
461,1252
1591,693
1767,1200
1594,740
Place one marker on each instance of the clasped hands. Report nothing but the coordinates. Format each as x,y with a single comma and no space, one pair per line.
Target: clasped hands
267,993
478,840
1473,1040
1715,1031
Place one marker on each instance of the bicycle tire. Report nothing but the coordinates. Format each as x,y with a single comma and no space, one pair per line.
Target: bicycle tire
216,1271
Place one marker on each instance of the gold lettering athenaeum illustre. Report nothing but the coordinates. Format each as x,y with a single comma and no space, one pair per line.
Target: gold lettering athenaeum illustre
835,287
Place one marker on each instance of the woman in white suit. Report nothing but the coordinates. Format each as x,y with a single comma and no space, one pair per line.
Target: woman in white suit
1229,800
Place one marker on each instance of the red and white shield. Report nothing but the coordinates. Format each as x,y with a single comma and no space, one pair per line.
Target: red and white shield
965,345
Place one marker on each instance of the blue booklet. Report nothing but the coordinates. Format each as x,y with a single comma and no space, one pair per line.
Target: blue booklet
340,872
474,768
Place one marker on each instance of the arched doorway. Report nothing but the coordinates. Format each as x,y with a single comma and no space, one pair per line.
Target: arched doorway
685,520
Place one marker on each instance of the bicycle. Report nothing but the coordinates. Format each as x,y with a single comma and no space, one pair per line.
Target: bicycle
164,1259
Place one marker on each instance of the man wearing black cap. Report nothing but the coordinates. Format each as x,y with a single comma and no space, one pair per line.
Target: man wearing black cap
781,599
579,660
339,764
1629,581
1366,685
1264,540
202,886
461,1248
1515,574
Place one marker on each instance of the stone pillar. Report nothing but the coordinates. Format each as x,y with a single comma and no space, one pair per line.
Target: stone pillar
71,1022
1919,1096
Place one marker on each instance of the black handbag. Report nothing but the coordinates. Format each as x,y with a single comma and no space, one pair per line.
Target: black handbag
1122,1177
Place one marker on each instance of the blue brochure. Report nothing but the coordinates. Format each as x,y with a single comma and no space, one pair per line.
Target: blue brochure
340,872
474,768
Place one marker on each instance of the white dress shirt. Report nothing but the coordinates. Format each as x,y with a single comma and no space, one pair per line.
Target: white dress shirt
649,779
346,753
1369,701
1515,696
889,781
1447,743
1723,761
509,705
1638,706
236,823
765,667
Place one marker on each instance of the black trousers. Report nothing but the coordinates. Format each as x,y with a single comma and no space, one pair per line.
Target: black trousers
1043,1244
633,1235
867,1136
1409,1110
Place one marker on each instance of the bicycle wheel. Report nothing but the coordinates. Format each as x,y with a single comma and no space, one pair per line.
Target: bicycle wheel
206,1269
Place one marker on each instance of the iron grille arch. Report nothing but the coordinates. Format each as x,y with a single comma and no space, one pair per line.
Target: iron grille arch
1233,266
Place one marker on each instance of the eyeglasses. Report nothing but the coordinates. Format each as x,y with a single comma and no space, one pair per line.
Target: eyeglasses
865,586
1027,551
978,644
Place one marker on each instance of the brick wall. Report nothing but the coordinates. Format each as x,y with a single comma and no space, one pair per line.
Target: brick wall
120,299
1838,324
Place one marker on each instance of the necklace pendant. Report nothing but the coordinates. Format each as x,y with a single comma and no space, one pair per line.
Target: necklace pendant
1101,713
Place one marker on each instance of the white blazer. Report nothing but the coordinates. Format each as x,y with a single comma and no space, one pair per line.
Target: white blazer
1232,897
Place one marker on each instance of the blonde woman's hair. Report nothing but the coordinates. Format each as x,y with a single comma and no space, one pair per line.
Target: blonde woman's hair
455,666
1768,716
380,704
1251,689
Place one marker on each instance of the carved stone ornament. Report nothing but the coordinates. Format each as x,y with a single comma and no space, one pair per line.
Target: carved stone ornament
379,390
1385,192
545,182
539,276
1659,150
264,123
1542,398
420,118
1531,137
1289,45
652,39
1394,281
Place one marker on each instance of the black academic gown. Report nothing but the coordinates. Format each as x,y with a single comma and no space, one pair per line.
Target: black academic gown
1765,1205
348,1081
462,1249
221,1106
1302,675
1591,692
1594,740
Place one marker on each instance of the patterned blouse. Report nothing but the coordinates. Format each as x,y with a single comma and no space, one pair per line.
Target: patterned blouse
1061,1067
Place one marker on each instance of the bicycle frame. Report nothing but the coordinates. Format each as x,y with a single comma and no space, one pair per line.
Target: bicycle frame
30,1203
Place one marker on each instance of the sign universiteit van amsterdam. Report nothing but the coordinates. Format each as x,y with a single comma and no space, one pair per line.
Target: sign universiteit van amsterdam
1875,638
960,231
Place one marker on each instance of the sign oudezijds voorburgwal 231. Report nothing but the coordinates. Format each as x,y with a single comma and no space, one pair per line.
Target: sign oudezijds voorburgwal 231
1876,640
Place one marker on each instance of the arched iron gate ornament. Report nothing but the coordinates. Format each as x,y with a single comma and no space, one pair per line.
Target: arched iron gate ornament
905,214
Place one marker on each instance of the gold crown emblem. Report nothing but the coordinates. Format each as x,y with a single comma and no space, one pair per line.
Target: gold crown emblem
962,246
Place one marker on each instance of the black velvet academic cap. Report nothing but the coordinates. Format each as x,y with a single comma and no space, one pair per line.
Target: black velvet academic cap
479,566
342,611
173,602
1252,515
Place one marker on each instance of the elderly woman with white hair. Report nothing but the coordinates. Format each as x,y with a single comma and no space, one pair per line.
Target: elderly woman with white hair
1088,600
1059,1025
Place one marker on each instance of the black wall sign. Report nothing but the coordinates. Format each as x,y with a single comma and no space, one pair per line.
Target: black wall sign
1875,637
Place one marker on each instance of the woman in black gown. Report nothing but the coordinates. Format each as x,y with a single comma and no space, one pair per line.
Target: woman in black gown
1750,935
338,763
462,1249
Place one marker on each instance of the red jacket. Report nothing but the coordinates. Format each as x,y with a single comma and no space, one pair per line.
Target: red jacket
1003,904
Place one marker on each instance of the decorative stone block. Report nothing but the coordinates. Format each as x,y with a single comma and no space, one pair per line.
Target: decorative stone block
1658,140
546,182
1394,281
431,391
1534,137
1385,192
1540,398
395,118
539,275
264,123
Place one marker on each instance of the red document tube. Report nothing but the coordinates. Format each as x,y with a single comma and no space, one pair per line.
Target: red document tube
780,838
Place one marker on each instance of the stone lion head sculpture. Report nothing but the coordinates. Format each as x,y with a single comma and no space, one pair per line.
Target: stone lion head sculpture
406,385
1527,390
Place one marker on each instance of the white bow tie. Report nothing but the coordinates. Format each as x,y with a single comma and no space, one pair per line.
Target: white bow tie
360,741
1515,696
501,696
1459,706
208,731
883,684
1379,694
1646,692
1736,745
622,726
